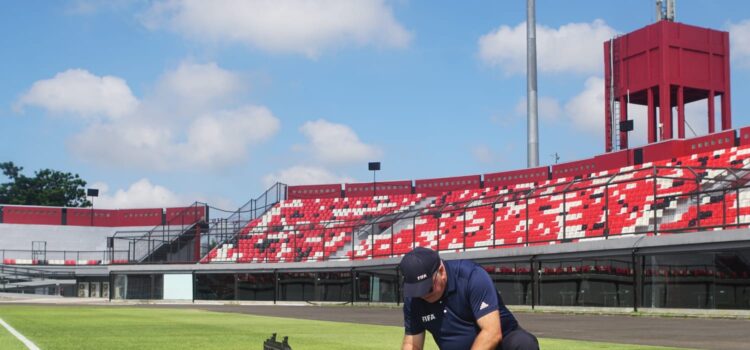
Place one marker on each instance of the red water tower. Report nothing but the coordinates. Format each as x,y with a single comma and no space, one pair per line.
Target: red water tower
664,65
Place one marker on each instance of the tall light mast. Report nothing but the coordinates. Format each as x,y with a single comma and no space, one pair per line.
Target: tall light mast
531,90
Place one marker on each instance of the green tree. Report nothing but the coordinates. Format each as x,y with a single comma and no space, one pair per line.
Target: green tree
47,187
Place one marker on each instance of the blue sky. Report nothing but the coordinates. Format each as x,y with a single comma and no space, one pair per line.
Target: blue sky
162,103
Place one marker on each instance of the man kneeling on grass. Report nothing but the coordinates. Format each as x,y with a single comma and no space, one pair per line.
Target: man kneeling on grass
457,302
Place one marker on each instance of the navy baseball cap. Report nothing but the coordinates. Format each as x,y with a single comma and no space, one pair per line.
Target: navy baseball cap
418,267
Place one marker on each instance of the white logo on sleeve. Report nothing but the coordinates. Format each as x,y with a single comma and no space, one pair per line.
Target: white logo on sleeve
483,306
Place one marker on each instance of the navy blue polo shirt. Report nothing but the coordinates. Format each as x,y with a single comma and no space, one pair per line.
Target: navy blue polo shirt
469,295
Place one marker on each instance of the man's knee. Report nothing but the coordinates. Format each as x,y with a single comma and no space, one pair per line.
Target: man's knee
519,339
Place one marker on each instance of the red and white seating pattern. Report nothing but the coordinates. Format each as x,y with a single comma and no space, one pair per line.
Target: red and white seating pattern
465,218
613,203
308,229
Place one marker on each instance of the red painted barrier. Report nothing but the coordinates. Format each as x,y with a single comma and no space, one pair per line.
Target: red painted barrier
139,217
381,188
663,150
744,135
314,191
82,217
711,142
438,186
517,176
574,168
32,215
613,160
185,215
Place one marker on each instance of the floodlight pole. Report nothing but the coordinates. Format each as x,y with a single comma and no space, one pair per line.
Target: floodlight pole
373,166
92,192
532,121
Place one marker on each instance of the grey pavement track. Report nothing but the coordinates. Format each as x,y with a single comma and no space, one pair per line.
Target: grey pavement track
695,333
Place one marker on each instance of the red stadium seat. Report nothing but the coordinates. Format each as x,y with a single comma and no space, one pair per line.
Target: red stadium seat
598,205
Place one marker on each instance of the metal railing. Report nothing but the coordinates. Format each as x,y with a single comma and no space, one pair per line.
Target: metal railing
12,276
223,230
142,244
703,198
652,200
141,247
63,257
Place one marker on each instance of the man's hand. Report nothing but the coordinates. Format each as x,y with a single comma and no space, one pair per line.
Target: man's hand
490,333
413,342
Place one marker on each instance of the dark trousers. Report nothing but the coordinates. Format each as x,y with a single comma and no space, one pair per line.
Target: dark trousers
519,339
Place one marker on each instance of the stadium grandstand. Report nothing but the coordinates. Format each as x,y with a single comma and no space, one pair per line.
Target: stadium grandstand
665,225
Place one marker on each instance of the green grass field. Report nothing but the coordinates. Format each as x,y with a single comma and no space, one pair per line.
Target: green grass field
9,342
115,327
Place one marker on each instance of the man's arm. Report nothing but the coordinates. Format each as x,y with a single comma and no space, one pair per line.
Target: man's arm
413,342
490,334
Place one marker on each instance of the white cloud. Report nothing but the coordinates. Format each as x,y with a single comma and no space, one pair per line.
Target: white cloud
505,120
305,175
328,143
574,47
80,93
294,26
739,36
586,113
188,121
336,143
484,154
548,108
696,115
145,194
213,140
124,144
586,110
193,85
141,194
225,136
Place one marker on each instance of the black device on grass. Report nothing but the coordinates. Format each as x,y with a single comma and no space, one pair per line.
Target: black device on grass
272,344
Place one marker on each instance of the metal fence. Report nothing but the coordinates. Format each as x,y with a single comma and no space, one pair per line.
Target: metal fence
642,201
222,230
142,245
63,257
179,236
654,200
